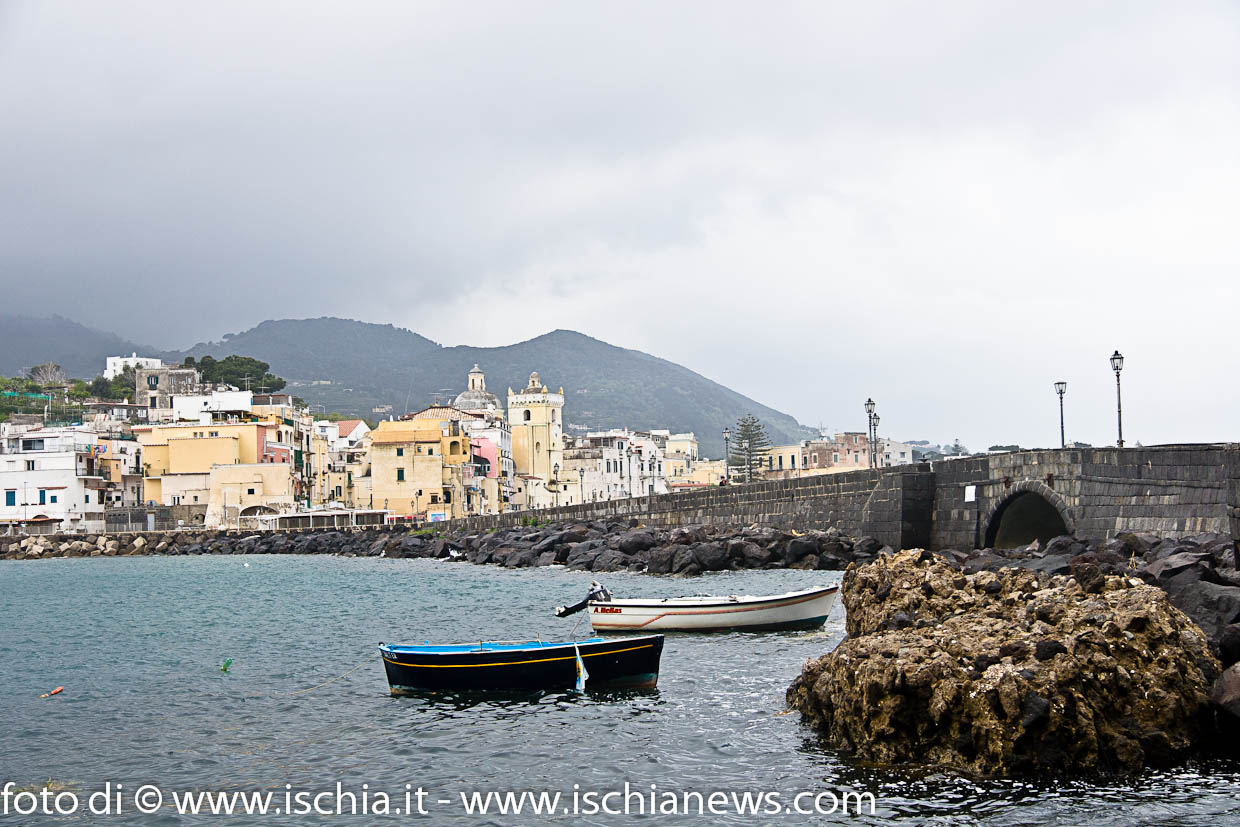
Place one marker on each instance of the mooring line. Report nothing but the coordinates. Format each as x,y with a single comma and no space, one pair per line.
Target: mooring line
365,661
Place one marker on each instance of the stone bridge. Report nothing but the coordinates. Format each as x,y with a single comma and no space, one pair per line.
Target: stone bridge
998,500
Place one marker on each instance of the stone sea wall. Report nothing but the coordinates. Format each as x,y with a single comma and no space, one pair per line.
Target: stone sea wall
892,505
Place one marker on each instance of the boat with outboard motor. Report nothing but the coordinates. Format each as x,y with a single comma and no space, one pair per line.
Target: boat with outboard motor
807,609
624,663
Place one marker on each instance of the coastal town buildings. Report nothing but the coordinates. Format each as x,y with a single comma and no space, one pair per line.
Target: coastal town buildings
157,387
186,453
535,416
419,466
114,366
50,479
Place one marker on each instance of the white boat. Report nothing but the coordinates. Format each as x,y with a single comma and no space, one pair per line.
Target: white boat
806,609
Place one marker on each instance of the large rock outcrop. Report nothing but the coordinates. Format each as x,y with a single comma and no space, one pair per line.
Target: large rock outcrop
1009,672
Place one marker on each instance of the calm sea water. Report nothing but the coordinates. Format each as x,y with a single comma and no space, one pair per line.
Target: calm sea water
138,642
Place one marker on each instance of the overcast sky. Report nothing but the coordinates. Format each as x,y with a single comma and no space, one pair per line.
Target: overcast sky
944,206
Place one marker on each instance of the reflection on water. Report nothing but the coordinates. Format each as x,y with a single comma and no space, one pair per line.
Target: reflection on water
138,642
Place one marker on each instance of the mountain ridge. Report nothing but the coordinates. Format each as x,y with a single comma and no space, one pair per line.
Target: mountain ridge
353,367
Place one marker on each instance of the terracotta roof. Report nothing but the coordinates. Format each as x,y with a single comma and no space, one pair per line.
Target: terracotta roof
347,426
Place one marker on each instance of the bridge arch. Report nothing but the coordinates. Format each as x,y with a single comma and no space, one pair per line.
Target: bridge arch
1029,510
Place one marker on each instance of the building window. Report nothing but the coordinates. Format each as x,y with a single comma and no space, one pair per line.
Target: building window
32,445
54,498
525,416
176,500
400,452
781,463
215,433
152,382
249,490
29,465
338,491
400,474
195,498
434,499
42,497
430,451
10,497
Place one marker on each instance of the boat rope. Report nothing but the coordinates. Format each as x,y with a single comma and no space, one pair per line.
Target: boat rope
365,661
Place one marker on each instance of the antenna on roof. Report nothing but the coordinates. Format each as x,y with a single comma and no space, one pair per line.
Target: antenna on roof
246,379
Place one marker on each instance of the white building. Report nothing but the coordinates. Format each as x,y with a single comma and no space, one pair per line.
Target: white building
342,435
205,408
114,366
50,480
891,453
616,464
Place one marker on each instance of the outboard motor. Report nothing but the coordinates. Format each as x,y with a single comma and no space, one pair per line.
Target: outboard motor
597,593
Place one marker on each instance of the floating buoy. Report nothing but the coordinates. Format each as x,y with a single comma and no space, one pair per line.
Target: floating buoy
55,691
227,663
246,565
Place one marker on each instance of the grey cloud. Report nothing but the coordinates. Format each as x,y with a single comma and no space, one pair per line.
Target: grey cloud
872,188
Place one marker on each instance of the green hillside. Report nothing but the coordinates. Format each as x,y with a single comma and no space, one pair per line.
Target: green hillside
352,367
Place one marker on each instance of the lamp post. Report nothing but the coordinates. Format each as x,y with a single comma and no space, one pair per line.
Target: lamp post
727,455
1117,364
872,427
877,459
628,468
555,481
1061,388
748,461
581,484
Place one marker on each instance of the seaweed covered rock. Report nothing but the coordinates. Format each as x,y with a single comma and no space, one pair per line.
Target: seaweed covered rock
1008,672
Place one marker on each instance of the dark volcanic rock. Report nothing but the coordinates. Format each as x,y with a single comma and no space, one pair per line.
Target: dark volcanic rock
1211,606
710,556
582,558
521,559
659,560
1008,672
798,547
634,541
611,560
684,561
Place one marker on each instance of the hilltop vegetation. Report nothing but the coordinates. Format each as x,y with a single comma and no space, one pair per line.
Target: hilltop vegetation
353,367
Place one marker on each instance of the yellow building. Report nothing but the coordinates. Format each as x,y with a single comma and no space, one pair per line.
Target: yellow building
417,467
237,494
177,459
685,445
704,472
782,461
535,416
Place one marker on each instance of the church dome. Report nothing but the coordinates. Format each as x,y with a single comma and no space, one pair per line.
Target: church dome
477,397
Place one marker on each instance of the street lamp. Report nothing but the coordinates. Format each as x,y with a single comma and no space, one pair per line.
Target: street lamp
872,432
727,455
1061,388
628,468
1117,364
581,484
877,461
555,480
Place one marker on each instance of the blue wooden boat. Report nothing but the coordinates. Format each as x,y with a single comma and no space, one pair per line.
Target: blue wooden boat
625,663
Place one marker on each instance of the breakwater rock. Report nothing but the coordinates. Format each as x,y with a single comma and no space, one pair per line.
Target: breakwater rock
621,546
599,547
1011,671
1198,573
